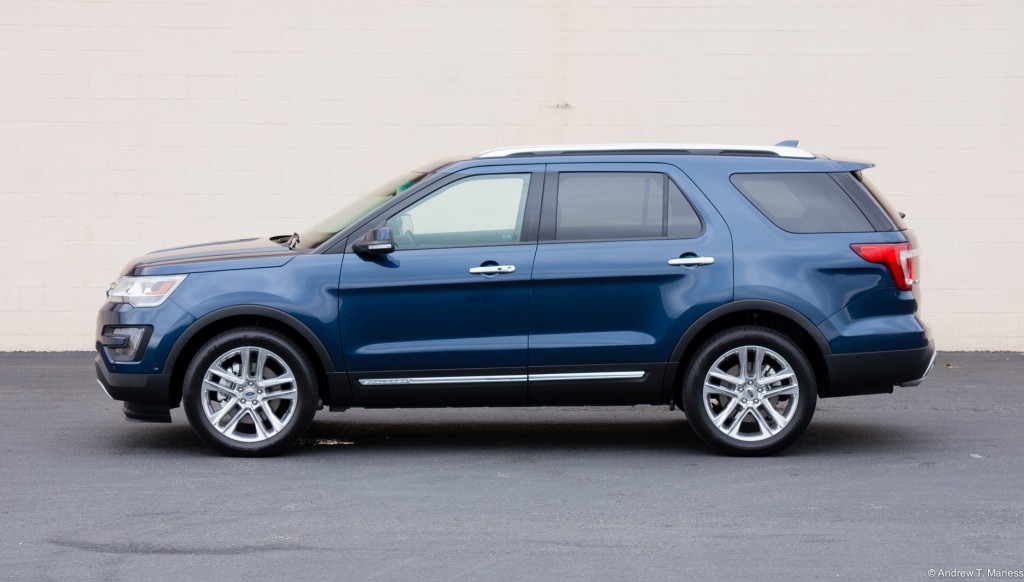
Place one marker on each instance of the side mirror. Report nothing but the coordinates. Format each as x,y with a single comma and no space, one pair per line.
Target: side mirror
378,241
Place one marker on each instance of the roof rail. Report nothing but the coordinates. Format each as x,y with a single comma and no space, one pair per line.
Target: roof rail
782,151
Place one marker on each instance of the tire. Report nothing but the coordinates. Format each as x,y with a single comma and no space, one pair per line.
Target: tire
261,413
761,413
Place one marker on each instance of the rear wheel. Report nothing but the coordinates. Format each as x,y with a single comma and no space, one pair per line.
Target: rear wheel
250,392
749,391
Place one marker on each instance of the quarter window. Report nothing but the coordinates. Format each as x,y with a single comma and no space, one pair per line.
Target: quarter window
622,205
803,203
474,211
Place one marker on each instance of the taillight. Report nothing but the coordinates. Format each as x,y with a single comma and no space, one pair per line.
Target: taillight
899,258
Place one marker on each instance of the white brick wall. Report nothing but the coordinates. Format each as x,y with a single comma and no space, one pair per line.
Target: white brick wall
129,125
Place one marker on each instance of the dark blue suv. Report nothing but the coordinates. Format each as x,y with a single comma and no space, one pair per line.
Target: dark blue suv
740,283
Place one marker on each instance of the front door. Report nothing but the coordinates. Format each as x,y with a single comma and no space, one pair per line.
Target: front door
443,320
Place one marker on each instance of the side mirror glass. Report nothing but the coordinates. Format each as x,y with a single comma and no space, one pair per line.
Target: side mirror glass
378,241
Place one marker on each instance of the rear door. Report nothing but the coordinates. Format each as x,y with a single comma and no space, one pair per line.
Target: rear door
630,255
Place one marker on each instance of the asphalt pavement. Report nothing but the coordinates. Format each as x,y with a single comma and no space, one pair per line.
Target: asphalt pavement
879,488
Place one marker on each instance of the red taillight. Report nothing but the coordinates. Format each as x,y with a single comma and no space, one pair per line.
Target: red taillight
899,258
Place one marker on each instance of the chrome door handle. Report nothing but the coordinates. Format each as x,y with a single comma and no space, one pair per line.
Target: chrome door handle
493,270
691,261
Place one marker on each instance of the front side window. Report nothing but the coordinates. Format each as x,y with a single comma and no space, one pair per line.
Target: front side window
473,211
622,206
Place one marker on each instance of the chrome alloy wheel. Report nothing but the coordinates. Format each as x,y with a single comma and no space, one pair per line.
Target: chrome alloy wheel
750,393
249,394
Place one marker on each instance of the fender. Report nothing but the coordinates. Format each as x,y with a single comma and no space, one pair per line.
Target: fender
750,305
251,310
668,389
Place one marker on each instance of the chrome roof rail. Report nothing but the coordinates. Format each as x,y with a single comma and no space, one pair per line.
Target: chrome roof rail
782,151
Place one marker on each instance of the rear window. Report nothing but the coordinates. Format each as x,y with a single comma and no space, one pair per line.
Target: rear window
803,202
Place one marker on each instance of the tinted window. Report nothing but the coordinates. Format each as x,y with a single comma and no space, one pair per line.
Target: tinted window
894,216
683,221
803,203
474,211
622,205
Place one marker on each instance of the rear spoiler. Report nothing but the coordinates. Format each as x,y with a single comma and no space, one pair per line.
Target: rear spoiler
854,165
848,165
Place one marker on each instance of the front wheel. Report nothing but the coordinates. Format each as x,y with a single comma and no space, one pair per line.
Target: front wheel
250,392
749,391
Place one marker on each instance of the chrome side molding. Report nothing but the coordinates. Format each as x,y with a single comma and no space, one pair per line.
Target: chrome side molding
442,380
632,374
426,380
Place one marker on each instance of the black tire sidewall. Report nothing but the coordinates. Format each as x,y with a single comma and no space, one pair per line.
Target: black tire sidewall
710,351
282,347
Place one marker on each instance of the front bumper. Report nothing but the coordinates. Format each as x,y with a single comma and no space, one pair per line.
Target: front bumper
877,372
146,396
143,383
142,388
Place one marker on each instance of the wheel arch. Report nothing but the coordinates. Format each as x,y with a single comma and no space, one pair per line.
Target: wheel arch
227,318
776,316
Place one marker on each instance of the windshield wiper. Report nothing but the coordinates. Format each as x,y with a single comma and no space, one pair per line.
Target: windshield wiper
293,240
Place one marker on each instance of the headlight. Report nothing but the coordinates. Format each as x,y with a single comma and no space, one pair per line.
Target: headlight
143,291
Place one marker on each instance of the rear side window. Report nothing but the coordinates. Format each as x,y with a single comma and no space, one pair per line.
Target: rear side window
803,202
622,205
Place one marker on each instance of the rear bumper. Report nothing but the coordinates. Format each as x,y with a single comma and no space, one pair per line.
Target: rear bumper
909,383
877,372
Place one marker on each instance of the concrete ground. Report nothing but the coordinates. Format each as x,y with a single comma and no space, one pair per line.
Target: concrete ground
879,487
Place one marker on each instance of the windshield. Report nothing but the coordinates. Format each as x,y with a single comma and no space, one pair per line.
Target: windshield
356,209
359,207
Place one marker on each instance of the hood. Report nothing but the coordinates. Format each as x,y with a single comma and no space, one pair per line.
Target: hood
248,253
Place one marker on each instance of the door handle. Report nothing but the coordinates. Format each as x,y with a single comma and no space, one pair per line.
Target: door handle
493,270
691,261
